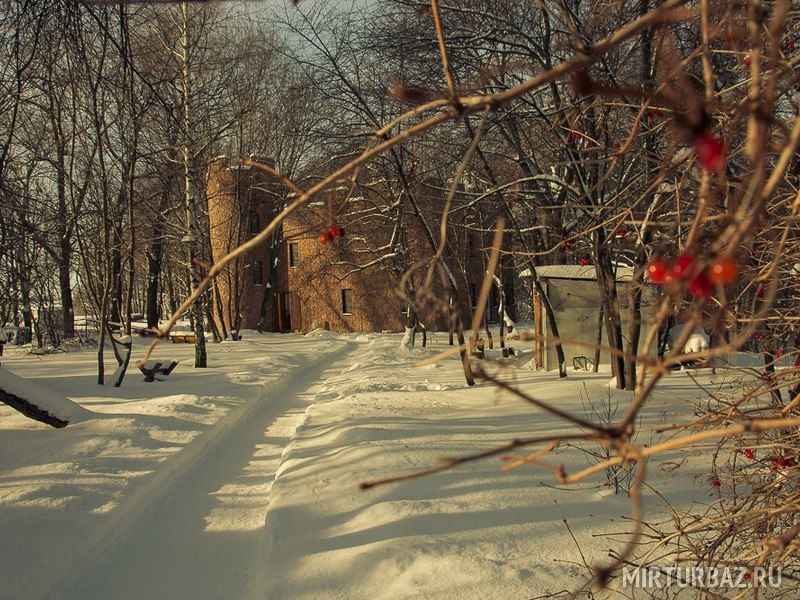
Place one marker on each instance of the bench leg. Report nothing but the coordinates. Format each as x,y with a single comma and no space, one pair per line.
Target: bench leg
151,373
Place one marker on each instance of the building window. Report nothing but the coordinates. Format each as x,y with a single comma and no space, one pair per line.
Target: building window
253,223
347,302
258,272
294,254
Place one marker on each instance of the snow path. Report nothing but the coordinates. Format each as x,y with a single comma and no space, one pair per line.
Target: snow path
203,536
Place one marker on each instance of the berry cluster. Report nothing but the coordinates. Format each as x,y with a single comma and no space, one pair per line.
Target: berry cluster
684,269
331,234
710,151
775,462
780,462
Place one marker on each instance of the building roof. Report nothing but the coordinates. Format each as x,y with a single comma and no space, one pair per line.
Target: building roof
579,272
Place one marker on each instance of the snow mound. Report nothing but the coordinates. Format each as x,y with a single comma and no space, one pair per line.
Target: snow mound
698,341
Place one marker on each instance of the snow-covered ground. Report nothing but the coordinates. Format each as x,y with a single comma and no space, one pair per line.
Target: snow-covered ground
241,480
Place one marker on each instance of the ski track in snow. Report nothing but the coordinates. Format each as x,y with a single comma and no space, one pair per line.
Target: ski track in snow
202,535
245,484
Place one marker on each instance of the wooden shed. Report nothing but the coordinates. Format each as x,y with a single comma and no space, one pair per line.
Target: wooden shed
575,297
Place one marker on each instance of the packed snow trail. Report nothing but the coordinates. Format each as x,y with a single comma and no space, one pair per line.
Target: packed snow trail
203,536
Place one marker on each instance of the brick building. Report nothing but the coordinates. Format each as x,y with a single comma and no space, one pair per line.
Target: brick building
298,283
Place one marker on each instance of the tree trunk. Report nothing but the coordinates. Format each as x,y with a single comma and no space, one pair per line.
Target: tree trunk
489,338
116,271
270,287
457,324
125,360
551,323
153,272
635,291
419,327
154,256
65,288
634,328
191,238
608,296
410,329
598,341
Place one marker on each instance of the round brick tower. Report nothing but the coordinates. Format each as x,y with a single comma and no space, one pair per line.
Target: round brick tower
241,202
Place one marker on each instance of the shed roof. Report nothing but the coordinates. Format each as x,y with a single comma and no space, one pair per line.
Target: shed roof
579,272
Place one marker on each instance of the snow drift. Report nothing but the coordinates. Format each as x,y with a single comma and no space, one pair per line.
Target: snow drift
38,402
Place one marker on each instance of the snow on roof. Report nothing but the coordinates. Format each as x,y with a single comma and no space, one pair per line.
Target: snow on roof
581,272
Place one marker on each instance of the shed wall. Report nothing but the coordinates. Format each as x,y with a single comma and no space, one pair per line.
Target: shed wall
577,308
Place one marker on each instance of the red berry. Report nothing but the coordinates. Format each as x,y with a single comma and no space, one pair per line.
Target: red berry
778,353
657,270
790,45
584,262
716,482
749,454
575,135
325,237
778,462
701,286
723,270
747,576
683,266
566,245
617,145
710,151
747,61
761,291
622,232
335,231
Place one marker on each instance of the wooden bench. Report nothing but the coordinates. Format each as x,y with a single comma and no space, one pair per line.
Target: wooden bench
157,369
182,338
